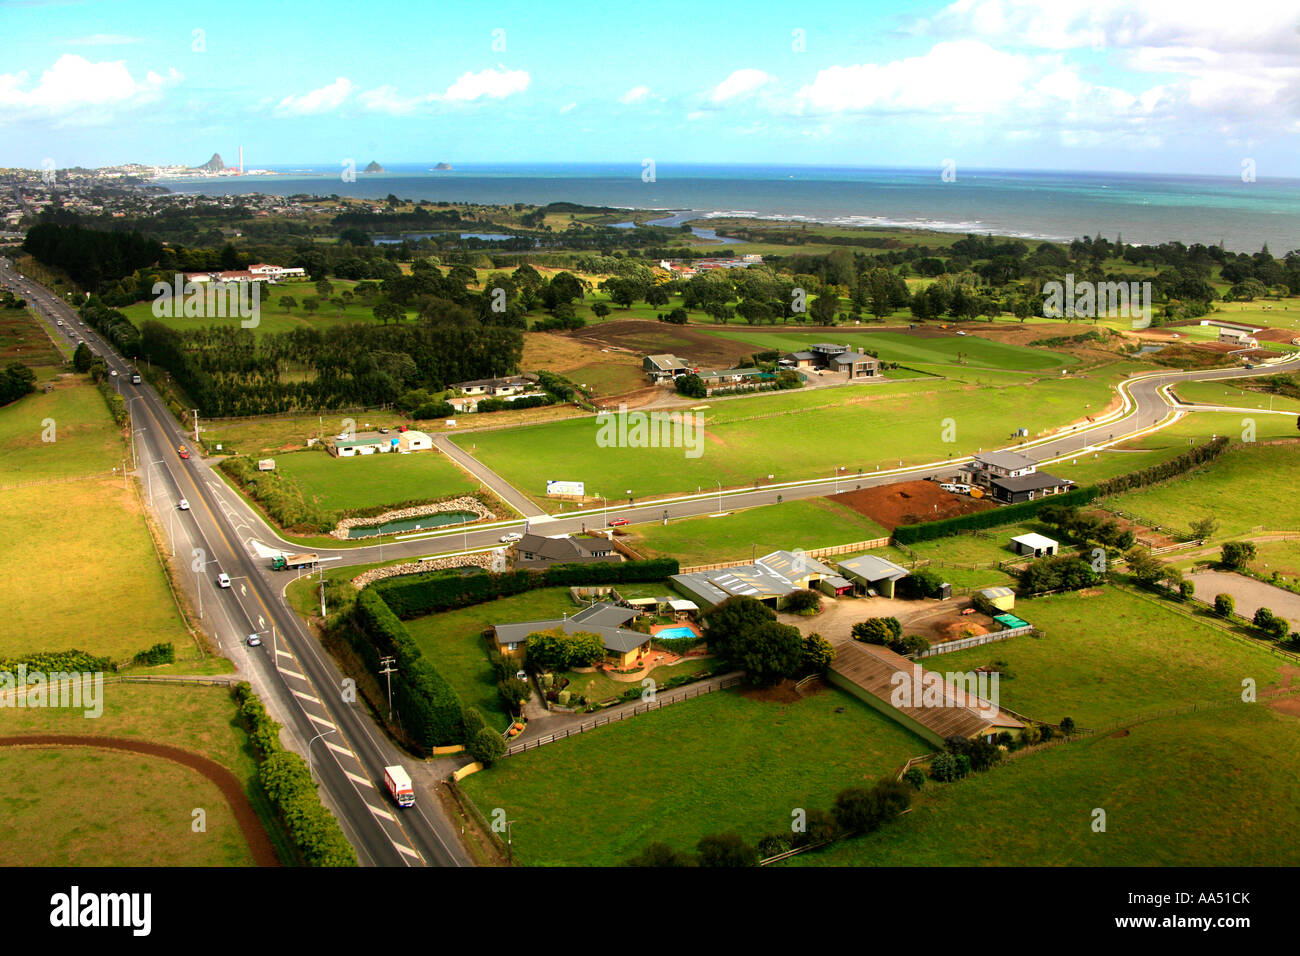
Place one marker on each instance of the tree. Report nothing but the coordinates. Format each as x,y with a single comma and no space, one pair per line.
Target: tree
691,385
386,310
1144,566
486,746
823,308
803,600
1268,622
311,303
877,630
1067,725
1238,554
513,692
726,849
82,358
16,381
1204,528
770,652
324,287
728,624
660,855
657,295
288,302
600,310
474,721
818,654
1224,605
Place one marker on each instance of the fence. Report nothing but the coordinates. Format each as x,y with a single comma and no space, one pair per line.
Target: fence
661,700
977,640
1126,722
912,762
811,553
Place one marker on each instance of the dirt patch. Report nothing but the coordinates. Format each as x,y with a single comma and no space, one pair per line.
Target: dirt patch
909,502
1276,335
782,693
1122,732
1146,536
249,825
641,338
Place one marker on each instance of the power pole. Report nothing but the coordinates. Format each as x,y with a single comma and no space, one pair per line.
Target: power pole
389,670
196,426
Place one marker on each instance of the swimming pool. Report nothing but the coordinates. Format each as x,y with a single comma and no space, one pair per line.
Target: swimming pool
675,633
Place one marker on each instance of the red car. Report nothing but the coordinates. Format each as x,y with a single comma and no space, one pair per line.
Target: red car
618,522
183,452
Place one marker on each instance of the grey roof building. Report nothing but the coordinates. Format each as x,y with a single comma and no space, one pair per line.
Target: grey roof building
603,619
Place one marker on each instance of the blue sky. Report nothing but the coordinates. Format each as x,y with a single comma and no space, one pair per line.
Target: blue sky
1157,86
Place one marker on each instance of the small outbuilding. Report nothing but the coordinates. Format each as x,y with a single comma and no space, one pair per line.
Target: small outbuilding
1037,545
410,440
1004,599
870,573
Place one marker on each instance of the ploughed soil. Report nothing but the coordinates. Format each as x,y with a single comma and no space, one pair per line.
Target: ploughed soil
249,825
1276,335
782,693
652,338
909,502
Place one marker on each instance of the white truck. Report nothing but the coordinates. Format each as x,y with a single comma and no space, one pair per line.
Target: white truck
398,782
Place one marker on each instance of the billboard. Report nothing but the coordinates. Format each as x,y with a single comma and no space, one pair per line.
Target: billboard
574,488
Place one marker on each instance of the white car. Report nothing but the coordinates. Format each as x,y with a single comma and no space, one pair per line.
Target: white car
512,536
960,332
223,580
184,505
113,372
254,640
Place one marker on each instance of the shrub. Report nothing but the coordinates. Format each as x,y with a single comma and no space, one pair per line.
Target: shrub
1067,725
726,849
486,746
943,768
474,722
1060,573
513,692
563,697
915,777
158,654
912,644
818,654
877,630
1186,590
659,854
770,846
1238,554
803,600
1268,622
820,828
920,584
1224,605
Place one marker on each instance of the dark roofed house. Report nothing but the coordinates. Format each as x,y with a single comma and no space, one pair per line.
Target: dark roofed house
665,367
623,645
536,551
1029,487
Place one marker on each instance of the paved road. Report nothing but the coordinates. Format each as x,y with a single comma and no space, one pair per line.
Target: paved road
300,683
1248,594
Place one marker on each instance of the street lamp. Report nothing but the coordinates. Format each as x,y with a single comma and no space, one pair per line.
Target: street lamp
719,496
310,771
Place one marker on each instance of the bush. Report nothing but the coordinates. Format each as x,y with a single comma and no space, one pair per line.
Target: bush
818,654
513,692
158,654
1268,622
474,722
659,854
563,698
920,584
912,644
1224,605
770,846
726,849
803,600
877,630
486,746
1060,573
1186,590
944,768
915,777
1238,554
820,828
1067,725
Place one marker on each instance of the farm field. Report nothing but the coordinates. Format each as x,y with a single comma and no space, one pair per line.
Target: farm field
23,338
854,428
453,641
807,523
1159,810
1248,475
86,442
935,346
1226,393
112,809
718,762
370,481
198,719
1110,654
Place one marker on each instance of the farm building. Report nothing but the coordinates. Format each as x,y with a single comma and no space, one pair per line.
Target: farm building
411,440
873,575
1034,544
1004,599
1011,477
926,703
266,464
494,387
1239,338
664,368
771,579
623,646
363,443
536,551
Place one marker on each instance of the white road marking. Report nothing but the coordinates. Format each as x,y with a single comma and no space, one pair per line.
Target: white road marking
381,813
357,779
339,749
284,670
403,848
305,696
321,720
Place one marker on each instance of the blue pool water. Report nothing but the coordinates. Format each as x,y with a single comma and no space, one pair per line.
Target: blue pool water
672,633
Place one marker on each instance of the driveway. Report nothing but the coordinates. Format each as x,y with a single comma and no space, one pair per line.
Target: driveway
840,614
1249,594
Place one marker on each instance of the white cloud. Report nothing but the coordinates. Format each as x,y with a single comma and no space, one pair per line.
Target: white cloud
741,83
492,83
322,100
384,99
567,107
634,95
75,89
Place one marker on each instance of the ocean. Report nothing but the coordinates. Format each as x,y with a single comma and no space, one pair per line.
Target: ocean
1140,208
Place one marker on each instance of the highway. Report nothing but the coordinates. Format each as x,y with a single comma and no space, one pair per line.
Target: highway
299,682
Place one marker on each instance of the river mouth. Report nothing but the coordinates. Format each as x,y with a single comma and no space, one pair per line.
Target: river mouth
422,523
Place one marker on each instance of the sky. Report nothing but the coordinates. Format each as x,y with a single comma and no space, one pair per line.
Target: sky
1161,86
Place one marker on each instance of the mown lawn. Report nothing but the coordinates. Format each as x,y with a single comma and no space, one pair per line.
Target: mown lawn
1248,486
1110,654
338,484
806,523
718,762
1206,789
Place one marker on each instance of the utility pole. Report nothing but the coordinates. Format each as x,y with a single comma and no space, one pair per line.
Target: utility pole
196,426
321,568
389,670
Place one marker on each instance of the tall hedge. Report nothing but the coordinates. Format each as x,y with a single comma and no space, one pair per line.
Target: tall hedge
994,517
430,707
1165,470
414,595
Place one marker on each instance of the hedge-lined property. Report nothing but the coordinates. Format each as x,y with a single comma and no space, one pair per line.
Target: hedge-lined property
287,781
1165,470
1007,514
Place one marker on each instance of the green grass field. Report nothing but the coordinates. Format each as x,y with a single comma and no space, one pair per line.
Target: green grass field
85,440
1110,654
199,719
901,347
793,436
1209,789
453,642
112,809
1225,393
339,484
1244,488
23,339
807,523
719,762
